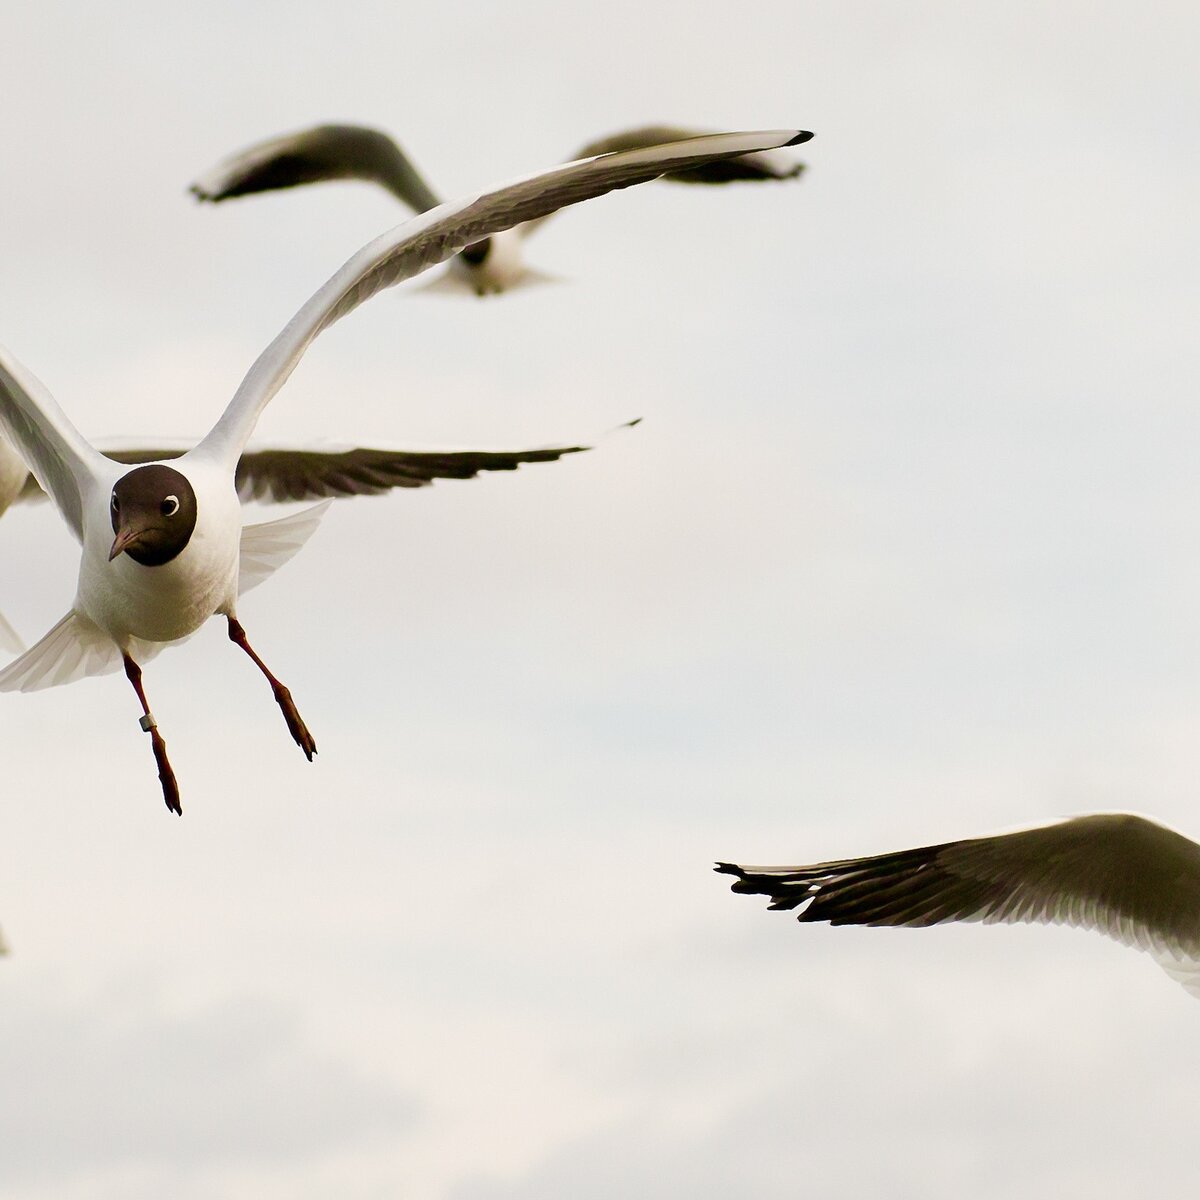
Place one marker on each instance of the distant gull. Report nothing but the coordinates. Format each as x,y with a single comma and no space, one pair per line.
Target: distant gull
1119,874
332,152
162,543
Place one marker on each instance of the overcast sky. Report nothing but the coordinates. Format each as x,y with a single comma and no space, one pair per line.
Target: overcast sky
905,550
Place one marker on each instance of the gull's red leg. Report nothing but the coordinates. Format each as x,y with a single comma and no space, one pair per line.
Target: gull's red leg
166,776
283,697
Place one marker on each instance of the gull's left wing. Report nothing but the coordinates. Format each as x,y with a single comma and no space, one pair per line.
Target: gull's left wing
434,236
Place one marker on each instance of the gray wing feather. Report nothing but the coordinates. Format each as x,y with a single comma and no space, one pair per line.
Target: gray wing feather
1116,873
318,155
283,475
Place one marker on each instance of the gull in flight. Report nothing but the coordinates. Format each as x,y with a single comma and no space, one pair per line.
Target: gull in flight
493,264
163,545
289,473
1119,874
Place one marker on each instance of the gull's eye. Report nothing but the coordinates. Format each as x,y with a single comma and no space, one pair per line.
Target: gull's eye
116,504
169,507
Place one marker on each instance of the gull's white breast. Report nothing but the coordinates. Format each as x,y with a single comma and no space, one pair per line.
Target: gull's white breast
171,601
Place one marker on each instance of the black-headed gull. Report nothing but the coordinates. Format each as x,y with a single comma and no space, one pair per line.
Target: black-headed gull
1119,874
332,152
162,543
289,473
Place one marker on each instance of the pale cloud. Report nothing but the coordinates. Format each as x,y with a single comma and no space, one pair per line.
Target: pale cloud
904,550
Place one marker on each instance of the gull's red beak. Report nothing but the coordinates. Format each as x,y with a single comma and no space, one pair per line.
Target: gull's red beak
124,539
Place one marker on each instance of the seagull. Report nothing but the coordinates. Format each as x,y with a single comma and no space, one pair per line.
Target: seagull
495,264
1116,873
163,545
290,473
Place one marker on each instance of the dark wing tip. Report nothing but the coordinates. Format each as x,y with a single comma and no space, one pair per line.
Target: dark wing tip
198,193
631,424
724,868
801,137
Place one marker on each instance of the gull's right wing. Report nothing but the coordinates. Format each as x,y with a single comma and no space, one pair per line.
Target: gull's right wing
1116,873
62,460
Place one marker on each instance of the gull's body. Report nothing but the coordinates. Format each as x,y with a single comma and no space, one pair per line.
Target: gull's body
325,153
1116,873
180,552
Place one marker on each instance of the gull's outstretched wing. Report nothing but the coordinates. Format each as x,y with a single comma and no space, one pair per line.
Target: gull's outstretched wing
434,236
283,475
756,166
59,456
315,155
1116,873
286,473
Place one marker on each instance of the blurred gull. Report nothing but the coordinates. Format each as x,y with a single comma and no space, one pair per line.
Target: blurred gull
164,547
493,264
1121,875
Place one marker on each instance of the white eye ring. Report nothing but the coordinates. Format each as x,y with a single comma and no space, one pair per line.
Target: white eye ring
170,506
116,504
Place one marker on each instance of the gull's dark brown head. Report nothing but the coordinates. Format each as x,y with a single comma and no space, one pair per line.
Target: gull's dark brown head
476,253
153,511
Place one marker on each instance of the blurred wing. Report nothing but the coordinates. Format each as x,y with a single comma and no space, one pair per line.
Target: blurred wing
757,166
61,459
325,152
434,236
266,547
283,475
1118,874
